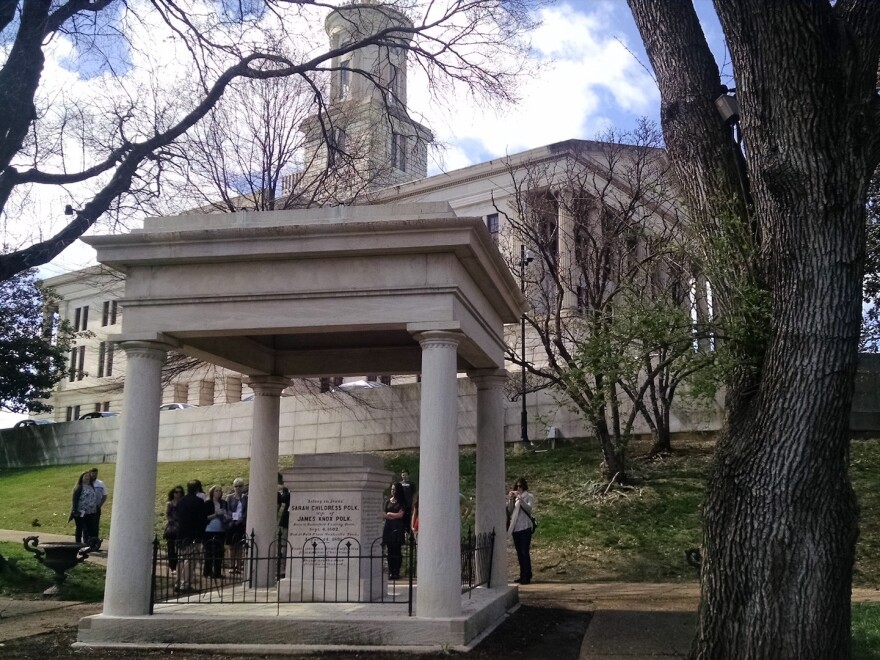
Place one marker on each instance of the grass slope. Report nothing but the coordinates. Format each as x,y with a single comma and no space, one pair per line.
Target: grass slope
635,535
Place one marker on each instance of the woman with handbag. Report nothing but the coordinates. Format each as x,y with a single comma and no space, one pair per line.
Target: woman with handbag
521,507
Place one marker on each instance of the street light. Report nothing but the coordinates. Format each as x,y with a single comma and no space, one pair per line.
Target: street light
728,105
524,260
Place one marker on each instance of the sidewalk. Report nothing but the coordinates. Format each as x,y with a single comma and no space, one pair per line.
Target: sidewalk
630,620
13,536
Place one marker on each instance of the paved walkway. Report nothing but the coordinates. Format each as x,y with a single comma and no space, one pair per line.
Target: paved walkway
630,620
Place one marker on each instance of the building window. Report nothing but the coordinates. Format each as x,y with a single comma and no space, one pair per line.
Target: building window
395,88
71,371
492,226
77,361
108,316
105,359
76,412
344,79
328,384
81,318
336,146
106,406
398,151
69,415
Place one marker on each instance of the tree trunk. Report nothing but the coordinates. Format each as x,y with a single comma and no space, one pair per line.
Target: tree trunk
780,515
612,444
613,456
662,441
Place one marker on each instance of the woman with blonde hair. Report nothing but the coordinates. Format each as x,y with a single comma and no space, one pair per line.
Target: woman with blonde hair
521,507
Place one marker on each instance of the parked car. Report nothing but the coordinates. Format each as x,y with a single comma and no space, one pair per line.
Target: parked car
176,406
31,422
359,385
98,414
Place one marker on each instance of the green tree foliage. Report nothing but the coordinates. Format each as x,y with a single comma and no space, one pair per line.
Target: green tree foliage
33,345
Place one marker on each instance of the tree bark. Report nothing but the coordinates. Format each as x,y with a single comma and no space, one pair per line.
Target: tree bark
780,516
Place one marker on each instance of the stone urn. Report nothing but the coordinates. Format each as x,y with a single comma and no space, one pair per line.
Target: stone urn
60,557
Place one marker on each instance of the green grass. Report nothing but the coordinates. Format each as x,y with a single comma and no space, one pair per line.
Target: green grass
866,631
26,577
634,535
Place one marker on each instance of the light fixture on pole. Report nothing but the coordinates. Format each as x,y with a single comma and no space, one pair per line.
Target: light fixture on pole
524,260
728,105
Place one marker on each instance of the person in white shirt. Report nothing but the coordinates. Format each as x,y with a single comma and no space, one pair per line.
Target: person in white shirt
521,506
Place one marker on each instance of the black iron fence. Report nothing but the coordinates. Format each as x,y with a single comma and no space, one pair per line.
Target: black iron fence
208,571
476,560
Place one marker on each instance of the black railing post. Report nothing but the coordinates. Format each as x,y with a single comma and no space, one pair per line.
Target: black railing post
491,557
410,569
252,552
153,575
278,556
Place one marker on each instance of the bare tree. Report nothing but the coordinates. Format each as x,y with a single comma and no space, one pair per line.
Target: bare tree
250,154
780,514
110,148
610,308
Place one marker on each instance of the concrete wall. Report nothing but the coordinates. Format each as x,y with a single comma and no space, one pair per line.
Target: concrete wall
371,420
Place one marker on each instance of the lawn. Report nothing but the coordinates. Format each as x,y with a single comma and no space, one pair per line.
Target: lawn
635,535
866,631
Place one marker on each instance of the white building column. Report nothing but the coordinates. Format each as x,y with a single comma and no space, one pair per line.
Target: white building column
439,564
129,564
491,487
263,478
569,272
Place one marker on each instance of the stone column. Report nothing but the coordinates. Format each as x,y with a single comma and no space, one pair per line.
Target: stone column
129,564
568,271
263,478
491,487
439,563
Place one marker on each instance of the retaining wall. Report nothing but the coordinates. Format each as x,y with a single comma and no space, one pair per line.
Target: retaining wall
371,420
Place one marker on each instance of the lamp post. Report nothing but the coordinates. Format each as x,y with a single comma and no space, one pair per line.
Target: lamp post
524,260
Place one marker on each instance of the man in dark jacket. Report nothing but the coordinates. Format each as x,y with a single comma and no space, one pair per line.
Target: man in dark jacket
192,518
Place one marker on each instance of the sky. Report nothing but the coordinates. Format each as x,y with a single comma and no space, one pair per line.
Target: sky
594,75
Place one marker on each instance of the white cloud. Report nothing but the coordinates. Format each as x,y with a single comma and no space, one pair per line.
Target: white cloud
589,78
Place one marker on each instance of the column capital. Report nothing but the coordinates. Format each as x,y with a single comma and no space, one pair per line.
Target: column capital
268,385
438,339
154,350
486,379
